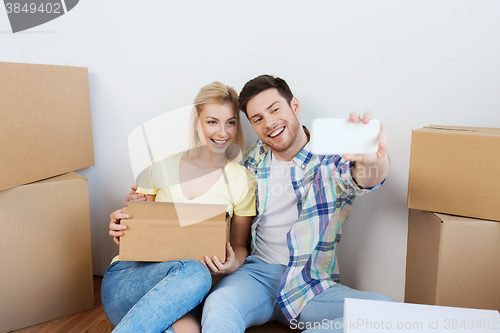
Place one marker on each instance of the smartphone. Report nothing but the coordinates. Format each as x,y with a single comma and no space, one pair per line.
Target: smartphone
340,136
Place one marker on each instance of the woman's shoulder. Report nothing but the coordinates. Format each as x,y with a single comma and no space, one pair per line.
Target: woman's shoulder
166,160
237,168
238,174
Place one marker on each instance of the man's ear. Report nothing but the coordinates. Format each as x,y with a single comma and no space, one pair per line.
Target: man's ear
294,103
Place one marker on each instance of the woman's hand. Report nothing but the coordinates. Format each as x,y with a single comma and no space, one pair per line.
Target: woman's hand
115,228
240,233
216,267
132,196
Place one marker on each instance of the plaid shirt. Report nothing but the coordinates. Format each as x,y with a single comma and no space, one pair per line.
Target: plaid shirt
325,191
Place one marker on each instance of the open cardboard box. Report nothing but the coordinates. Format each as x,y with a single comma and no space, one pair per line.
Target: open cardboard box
453,261
162,231
455,170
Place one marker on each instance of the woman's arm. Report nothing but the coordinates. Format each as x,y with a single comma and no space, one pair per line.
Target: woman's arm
115,226
236,254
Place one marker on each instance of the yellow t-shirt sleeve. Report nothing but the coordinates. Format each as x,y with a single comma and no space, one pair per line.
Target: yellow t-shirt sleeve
245,201
146,184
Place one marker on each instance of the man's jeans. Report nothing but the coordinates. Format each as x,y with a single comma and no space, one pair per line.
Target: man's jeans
149,297
248,297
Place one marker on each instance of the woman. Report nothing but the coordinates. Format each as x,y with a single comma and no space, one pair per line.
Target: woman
149,297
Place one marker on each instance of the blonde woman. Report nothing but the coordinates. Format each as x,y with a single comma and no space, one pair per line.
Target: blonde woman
156,297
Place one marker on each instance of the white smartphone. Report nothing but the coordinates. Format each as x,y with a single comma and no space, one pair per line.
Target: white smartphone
340,136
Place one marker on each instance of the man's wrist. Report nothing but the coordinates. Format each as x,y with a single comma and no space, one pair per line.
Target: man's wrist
368,175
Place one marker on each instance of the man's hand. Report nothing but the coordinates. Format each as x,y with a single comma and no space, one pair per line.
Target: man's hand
132,196
370,169
216,267
115,228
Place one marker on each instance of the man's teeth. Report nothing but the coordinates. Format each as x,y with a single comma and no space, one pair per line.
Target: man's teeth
219,142
273,134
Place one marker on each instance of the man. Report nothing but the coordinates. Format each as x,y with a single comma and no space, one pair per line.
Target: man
302,201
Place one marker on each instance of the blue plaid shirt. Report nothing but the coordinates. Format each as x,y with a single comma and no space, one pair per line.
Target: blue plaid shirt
325,191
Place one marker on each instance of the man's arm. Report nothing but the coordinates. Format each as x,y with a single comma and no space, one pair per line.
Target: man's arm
370,169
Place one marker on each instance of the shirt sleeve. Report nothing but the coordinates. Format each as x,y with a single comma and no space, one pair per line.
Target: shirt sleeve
146,184
245,201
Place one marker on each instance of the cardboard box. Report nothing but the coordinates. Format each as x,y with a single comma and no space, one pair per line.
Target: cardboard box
45,252
45,126
162,231
455,170
453,261
362,315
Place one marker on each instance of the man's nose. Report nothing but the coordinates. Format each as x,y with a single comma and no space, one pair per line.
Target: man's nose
270,122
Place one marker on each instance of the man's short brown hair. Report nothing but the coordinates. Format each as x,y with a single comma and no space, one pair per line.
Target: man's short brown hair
263,82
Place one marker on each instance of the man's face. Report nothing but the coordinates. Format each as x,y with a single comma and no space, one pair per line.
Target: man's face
274,120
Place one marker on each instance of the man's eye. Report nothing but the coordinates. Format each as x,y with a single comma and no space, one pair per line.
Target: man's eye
276,110
256,121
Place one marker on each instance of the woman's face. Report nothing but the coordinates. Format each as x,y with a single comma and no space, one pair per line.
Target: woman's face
217,126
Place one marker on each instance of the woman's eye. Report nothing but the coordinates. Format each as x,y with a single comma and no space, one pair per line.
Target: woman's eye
232,123
212,122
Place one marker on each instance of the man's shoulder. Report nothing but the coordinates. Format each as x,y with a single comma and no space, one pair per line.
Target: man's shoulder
239,170
254,154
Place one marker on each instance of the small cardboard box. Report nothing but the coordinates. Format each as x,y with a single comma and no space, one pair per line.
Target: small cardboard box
455,170
452,261
45,125
45,252
162,231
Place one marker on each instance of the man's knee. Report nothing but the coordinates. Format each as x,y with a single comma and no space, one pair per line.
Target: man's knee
220,312
381,297
221,298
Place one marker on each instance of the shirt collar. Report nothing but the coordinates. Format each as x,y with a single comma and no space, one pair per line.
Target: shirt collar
301,159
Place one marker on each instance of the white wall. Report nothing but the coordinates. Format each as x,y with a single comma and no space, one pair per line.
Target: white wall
412,63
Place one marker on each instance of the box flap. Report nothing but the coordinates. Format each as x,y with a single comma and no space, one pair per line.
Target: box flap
422,258
455,218
462,129
70,176
181,213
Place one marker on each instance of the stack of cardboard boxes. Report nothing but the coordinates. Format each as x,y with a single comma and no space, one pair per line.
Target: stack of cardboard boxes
453,254
45,250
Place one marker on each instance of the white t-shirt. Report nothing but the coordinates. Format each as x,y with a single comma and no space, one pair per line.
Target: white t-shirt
279,215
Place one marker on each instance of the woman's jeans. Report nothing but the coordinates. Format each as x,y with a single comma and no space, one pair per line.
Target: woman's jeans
151,296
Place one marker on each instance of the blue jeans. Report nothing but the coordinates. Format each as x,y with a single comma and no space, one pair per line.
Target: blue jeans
248,297
149,297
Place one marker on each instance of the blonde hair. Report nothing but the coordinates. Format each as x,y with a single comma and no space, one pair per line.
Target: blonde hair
216,93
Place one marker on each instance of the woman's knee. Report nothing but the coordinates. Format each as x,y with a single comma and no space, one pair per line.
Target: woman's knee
198,273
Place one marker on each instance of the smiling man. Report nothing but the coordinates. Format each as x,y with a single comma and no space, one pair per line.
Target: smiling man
303,200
